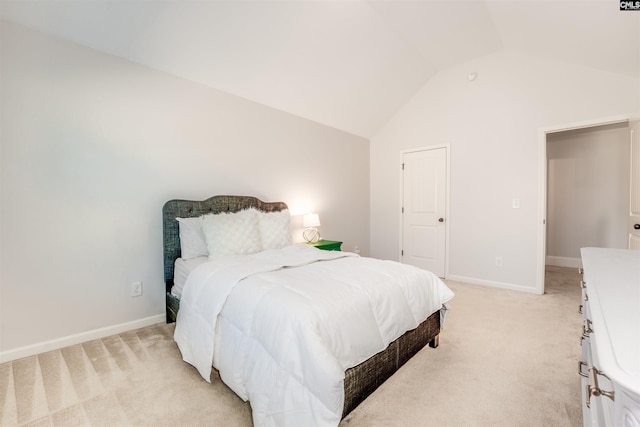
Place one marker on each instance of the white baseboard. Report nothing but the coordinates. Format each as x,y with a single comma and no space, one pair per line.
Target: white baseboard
30,350
492,284
560,261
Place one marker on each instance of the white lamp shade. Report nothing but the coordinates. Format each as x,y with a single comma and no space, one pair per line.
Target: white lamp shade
311,220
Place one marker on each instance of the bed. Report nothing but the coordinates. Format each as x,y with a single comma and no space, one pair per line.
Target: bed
359,380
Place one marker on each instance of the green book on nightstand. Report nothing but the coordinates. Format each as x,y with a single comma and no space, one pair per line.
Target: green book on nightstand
327,245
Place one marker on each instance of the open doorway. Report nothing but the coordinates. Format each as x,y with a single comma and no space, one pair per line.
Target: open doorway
587,191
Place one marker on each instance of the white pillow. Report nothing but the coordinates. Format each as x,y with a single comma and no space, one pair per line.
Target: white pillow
232,233
275,229
192,242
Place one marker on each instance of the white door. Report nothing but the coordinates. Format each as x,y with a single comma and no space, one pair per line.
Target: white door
634,196
424,198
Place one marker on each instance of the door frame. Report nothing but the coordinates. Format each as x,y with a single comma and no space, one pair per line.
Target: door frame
447,215
542,183
633,122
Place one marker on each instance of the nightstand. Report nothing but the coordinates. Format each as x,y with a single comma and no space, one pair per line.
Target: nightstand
327,245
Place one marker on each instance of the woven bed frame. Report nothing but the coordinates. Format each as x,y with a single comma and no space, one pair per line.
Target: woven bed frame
361,380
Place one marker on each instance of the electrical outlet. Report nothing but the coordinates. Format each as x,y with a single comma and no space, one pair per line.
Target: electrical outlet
498,261
136,289
515,203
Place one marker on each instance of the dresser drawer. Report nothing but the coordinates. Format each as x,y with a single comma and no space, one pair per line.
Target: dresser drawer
610,364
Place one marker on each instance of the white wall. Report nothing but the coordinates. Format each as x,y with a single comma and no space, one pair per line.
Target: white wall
92,146
493,126
587,191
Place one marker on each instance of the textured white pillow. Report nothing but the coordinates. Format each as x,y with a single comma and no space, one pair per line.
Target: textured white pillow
192,242
275,229
232,233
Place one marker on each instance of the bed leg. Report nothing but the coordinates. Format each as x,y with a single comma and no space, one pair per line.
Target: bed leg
435,342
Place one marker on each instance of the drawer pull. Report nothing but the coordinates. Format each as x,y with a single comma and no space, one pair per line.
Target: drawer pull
586,328
583,284
580,371
593,389
581,270
580,309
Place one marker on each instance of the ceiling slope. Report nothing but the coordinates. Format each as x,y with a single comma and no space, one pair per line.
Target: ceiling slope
349,64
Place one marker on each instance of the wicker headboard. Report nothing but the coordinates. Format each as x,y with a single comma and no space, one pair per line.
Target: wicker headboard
190,208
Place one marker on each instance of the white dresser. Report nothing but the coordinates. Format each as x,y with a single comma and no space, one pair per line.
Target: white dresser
610,365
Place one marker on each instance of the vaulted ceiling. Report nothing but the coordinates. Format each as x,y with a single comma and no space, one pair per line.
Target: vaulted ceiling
349,64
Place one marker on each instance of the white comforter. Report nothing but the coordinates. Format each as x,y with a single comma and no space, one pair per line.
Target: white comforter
282,326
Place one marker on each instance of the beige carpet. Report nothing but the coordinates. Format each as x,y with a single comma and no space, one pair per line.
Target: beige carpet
505,359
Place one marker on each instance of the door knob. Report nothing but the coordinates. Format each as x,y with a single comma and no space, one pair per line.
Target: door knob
442,220
636,226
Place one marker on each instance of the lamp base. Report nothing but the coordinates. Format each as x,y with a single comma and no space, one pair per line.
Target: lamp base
311,235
